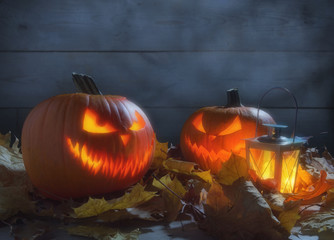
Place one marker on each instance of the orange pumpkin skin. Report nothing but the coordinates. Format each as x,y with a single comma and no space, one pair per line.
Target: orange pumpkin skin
212,134
77,145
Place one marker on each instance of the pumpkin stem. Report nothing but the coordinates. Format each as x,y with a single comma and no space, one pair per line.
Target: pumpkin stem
233,99
85,84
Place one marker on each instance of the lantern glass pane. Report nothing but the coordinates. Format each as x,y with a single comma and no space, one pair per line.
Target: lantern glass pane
289,171
263,163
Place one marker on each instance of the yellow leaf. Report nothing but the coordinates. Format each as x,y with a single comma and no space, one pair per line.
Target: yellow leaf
103,233
179,166
205,175
289,218
166,180
94,207
160,154
135,197
235,168
188,168
172,203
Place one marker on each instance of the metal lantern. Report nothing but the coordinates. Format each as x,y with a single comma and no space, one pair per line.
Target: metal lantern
273,156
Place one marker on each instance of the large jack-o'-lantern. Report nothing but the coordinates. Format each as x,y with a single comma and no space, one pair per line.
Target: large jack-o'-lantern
212,134
81,144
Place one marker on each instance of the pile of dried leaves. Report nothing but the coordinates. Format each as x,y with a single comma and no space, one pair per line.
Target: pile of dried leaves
229,205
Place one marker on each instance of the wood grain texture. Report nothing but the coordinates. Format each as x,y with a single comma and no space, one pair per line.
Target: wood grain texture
150,25
171,57
171,79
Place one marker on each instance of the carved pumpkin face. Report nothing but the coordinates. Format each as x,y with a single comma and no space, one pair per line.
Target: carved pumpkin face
212,134
78,145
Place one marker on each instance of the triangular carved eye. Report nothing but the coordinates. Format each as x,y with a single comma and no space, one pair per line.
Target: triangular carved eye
90,123
234,127
198,124
139,124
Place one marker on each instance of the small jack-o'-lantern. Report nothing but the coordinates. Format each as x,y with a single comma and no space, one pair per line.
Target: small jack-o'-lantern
80,144
212,134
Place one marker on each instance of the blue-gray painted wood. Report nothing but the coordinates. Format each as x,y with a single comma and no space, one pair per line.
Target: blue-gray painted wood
173,25
171,57
171,79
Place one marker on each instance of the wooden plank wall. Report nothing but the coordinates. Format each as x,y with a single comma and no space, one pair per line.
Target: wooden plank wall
172,57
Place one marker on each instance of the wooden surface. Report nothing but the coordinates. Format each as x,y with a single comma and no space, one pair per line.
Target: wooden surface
172,57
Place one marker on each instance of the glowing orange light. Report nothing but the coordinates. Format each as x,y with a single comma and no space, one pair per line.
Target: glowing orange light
91,125
212,156
197,122
234,127
125,139
264,163
99,162
139,124
289,171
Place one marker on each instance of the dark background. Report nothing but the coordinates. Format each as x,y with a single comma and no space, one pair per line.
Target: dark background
172,57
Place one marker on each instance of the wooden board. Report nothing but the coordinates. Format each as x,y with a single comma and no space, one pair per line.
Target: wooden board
173,25
171,79
171,57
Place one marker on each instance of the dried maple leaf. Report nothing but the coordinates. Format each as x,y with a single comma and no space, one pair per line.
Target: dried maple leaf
235,168
13,200
315,190
180,166
240,212
160,154
286,212
14,182
135,197
172,202
188,168
94,207
288,218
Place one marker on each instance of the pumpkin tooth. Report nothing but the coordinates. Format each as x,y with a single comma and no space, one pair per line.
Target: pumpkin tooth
120,167
84,156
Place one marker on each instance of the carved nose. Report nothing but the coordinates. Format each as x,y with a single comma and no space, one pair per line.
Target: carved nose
125,139
212,137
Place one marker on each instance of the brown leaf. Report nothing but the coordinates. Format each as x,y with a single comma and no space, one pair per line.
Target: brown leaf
217,200
12,170
13,200
248,217
235,168
94,207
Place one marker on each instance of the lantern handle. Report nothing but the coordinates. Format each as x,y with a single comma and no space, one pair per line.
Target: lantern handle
296,105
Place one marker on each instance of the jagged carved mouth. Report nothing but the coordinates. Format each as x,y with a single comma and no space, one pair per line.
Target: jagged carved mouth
201,152
119,167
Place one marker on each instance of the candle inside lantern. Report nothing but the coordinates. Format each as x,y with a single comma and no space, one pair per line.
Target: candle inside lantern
263,162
